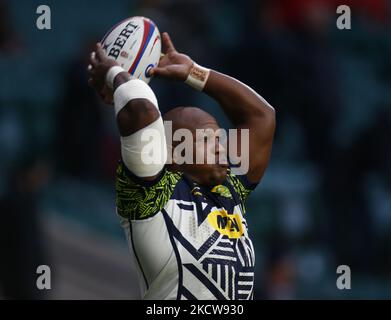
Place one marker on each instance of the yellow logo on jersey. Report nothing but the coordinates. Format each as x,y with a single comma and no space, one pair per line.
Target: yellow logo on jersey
196,191
222,190
227,224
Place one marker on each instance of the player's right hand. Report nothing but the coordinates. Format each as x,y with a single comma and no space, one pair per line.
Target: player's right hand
173,65
99,65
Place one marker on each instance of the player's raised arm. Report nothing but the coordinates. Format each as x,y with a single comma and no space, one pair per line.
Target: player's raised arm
245,108
248,110
137,114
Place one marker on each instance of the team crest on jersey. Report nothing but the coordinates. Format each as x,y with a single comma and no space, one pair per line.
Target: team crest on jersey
222,191
226,223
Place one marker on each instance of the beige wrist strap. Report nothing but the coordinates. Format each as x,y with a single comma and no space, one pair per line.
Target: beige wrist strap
197,77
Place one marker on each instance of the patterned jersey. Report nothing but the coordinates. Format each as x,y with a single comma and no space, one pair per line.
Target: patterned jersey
190,242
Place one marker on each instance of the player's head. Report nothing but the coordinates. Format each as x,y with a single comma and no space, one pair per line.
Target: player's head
193,118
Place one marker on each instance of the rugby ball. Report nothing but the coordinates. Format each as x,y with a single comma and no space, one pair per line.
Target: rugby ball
135,44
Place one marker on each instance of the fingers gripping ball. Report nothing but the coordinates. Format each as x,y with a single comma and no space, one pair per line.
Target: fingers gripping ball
135,44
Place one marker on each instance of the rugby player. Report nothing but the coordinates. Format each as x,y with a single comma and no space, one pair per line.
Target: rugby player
185,223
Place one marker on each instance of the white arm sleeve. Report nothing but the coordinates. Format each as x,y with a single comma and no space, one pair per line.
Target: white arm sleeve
133,89
144,152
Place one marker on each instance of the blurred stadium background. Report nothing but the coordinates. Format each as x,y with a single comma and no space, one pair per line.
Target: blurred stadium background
325,199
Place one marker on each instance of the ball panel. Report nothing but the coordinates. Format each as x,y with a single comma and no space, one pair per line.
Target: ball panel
135,44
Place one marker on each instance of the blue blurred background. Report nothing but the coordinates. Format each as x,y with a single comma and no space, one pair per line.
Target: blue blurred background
325,200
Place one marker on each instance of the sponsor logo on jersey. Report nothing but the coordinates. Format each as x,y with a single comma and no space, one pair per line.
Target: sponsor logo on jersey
226,223
222,191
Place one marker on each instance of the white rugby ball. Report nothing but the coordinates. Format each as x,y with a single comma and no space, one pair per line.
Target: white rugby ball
135,44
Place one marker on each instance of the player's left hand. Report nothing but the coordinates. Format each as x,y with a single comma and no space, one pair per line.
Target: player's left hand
173,65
